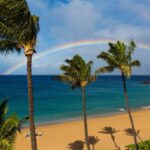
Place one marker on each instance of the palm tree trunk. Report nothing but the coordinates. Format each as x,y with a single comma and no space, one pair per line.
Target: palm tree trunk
129,111
85,118
31,103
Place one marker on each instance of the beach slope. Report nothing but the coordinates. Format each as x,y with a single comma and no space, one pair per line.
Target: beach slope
58,136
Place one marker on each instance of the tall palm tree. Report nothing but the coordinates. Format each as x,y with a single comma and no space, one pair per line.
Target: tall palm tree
78,73
111,131
18,31
9,126
119,56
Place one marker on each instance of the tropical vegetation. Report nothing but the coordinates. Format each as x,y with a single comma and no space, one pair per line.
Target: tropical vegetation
9,126
119,56
145,145
78,74
18,31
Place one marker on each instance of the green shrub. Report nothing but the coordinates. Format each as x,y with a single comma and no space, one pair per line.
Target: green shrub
145,145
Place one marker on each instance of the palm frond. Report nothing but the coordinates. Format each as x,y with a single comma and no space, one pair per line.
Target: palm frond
10,122
132,46
9,125
117,49
5,31
119,56
130,50
77,72
20,21
21,123
135,63
106,56
8,46
105,69
3,110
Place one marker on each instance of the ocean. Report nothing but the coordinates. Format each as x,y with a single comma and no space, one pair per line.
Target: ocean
56,102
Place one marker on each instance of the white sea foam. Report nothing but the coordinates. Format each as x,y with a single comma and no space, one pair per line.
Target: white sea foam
121,109
146,107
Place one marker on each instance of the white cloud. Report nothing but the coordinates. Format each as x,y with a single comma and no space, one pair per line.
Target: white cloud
86,19
11,59
139,8
76,20
125,32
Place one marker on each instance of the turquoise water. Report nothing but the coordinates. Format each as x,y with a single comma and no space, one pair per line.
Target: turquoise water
56,102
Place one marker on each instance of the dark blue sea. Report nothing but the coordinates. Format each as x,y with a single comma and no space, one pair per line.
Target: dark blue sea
57,102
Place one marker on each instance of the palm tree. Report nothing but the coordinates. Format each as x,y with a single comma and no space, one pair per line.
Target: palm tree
119,56
111,131
9,126
78,74
18,30
93,141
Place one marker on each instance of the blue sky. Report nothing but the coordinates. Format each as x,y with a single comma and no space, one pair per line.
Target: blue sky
64,21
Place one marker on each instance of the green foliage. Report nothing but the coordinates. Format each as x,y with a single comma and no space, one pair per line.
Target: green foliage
119,56
77,72
7,46
142,145
9,125
18,27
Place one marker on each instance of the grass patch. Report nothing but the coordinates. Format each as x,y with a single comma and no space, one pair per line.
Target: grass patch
145,145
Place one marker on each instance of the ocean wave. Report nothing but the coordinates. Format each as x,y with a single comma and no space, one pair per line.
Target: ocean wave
122,109
146,107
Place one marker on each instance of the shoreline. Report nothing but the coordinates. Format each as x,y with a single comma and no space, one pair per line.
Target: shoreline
89,117
58,136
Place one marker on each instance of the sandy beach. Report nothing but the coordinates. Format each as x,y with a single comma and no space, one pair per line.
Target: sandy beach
57,136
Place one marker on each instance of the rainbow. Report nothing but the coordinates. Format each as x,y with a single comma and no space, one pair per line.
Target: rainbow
67,46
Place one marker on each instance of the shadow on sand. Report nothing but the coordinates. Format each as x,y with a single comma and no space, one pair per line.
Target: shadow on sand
130,132
76,145
79,145
111,131
92,140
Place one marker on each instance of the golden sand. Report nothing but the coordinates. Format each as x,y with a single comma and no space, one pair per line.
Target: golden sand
57,136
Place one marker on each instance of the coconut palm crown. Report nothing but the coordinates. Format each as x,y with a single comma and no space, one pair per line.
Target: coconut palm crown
119,56
18,27
77,72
